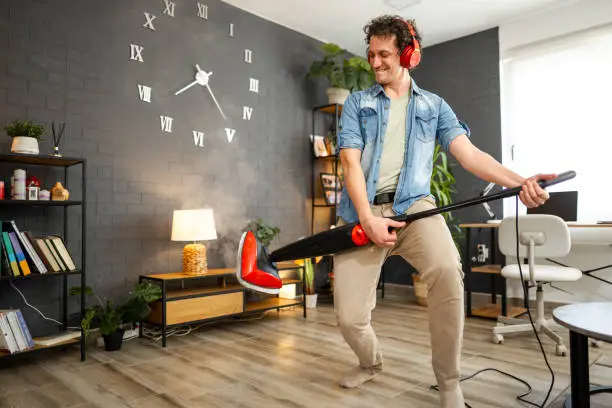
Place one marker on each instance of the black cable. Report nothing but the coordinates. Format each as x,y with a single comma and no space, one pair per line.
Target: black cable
526,295
587,272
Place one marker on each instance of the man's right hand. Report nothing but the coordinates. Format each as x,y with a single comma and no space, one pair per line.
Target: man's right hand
377,229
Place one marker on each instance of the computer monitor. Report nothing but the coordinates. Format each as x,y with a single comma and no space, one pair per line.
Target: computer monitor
563,204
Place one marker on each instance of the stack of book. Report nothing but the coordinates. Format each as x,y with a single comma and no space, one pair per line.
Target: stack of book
14,334
22,254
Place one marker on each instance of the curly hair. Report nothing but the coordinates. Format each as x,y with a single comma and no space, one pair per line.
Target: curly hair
387,25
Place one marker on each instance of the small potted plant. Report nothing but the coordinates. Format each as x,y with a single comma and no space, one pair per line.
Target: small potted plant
111,319
262,231
26,136
345,75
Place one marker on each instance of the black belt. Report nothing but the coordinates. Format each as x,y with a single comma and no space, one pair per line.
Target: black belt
384,198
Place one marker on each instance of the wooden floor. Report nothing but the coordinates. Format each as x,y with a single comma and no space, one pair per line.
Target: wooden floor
283,361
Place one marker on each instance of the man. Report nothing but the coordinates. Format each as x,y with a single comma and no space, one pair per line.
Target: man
387,140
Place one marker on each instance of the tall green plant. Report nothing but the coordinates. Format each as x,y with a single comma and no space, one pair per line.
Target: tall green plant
442,188
353,73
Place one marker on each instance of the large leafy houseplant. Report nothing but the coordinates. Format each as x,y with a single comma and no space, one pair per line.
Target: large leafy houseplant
109,317
353,73
442,188
262,231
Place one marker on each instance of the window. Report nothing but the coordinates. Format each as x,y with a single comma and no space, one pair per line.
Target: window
556,116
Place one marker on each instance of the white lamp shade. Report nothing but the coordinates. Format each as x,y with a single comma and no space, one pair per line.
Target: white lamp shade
193,225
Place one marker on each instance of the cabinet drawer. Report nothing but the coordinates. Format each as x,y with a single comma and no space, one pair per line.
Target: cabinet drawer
207,307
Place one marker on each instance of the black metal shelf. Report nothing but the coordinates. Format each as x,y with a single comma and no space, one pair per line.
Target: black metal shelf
40,203
335,110
41,160
40,275
65,163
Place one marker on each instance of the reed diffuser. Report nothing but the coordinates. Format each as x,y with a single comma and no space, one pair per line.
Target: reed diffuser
57,138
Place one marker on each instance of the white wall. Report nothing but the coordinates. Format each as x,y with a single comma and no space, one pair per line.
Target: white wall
577,18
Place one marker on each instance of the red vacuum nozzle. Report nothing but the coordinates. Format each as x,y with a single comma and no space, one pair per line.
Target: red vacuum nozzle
254,269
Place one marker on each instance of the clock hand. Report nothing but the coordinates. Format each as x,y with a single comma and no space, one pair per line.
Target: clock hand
201,78
187,87
215,99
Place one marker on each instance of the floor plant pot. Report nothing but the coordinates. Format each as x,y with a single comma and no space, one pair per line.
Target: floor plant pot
311,301
25,145
113,341
337,95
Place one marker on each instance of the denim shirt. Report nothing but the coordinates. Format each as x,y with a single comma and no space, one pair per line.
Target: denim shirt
364,119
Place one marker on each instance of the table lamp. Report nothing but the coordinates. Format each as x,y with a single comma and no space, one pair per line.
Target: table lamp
194,225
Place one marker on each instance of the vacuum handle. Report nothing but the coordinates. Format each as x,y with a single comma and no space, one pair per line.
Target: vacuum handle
483,199
559,179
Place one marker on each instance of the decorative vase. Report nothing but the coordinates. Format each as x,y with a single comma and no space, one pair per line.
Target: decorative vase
337,95
113,341
24,144
59,193
311,301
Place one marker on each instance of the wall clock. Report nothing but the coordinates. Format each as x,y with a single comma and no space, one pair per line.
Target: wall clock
197,67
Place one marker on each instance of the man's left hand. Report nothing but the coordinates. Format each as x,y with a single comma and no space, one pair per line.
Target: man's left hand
532,195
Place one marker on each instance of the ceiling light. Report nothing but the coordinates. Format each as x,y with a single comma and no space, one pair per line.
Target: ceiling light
401,4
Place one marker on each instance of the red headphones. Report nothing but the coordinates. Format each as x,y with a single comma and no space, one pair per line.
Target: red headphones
411,55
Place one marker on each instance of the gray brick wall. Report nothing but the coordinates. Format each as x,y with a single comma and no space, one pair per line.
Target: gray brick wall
68,60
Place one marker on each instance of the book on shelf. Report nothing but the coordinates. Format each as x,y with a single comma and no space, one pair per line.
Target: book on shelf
23,254
14,333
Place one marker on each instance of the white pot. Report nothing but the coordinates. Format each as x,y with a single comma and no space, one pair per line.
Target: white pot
24,144
311,301
337,95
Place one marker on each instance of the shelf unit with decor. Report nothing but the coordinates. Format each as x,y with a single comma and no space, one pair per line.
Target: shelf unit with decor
63,337
324,114
216,295
333,110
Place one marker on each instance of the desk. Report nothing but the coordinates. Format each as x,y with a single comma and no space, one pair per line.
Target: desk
584,320
581,233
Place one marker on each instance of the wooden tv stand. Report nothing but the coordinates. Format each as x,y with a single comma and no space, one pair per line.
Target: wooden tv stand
194,299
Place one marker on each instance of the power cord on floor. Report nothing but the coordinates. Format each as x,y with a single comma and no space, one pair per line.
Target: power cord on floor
526,294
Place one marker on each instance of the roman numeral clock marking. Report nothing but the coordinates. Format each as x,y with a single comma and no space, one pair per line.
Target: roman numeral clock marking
230,134
254,85
136,52
144,92
198,138
149,22
169,9
202,11
247,112
166,123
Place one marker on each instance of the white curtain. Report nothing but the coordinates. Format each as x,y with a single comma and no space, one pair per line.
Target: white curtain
557,116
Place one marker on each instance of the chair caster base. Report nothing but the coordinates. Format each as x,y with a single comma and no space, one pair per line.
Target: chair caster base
561,350
497,338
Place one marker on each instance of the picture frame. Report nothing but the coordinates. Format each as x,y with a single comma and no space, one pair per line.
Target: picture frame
330,181
319,146
332,197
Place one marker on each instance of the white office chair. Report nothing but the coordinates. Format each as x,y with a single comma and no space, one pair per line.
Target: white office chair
539,236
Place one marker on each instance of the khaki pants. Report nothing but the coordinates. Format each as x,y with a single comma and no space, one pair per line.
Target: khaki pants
428,246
